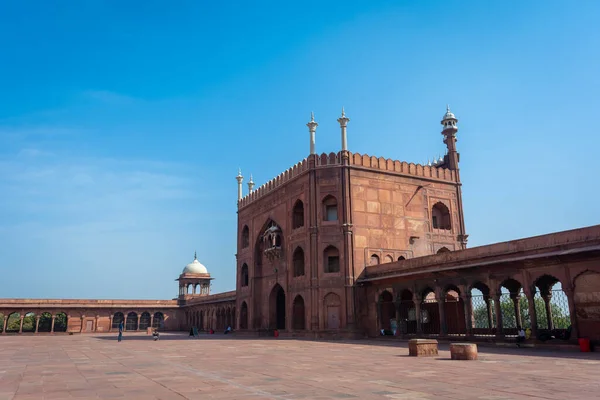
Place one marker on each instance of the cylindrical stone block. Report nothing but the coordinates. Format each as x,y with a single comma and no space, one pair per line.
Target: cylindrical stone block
463,351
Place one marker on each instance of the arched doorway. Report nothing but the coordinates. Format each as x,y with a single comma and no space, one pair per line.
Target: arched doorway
298,314
145,320
159,320
117,319
277,308
131,324
333,311
244,316
387,311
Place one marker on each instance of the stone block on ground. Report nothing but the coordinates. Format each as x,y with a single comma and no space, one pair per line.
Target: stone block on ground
463,351
422,347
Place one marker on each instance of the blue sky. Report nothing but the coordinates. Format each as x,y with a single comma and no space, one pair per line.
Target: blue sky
122,124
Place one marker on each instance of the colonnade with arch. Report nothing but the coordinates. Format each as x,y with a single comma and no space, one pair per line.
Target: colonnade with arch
33,321
40,320
215,317
483,305
136,321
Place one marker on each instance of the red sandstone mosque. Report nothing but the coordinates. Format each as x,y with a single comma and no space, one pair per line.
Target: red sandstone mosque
351,245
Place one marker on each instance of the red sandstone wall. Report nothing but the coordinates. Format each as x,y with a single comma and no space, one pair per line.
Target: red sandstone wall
387,210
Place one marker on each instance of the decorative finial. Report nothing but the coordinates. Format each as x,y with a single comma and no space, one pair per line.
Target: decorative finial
312,116
195,258
343,112
447,107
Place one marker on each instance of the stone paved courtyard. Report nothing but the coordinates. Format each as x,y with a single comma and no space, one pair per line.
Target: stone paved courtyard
226,367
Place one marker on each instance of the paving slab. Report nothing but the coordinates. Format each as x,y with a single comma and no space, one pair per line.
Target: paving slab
229,367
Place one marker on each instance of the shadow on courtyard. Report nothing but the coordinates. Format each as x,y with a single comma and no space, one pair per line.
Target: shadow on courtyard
483,348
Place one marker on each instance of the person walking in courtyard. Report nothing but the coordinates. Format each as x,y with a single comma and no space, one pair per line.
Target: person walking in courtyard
120,331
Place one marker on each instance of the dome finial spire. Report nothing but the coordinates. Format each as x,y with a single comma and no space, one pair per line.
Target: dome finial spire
195,258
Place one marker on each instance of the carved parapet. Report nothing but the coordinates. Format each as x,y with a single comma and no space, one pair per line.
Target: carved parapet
273,253
286,176
403,167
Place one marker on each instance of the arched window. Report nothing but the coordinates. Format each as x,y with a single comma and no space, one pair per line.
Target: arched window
374,259
145,320
330,209
131,323
331,260
245,278
443,250
298,215
245,237
117,319
388,259
298,261
158,321
401,258
440,217
244,316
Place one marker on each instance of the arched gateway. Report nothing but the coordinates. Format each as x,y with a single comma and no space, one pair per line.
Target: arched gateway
277,308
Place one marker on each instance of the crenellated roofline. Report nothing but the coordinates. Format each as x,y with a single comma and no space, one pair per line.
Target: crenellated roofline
357,160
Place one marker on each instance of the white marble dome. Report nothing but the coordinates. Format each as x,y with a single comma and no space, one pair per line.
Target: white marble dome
195,267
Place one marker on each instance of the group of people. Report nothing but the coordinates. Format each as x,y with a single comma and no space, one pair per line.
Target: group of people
155,334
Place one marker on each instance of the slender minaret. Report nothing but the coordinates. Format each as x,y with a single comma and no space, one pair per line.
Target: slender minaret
312,129
343,123
239,178
449,131
250,185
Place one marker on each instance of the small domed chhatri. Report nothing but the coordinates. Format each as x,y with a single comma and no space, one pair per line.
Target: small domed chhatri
195,267
194,280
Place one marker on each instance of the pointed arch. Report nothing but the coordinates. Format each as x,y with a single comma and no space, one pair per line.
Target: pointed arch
330,208
374,259
331,259
298,215
440,216
298,261
298,314
277,308
244,278
245,237
332,311
244,316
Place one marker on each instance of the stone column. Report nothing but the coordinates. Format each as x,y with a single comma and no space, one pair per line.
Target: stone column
397,307
499,322
111,322
379,324
139,319
4,324
442,311
37,323
466,298
532,312
52,327
490,314
572,314
82,318
152,320
516,298
547,296
21,326
96,323
417,302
